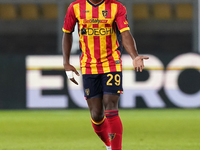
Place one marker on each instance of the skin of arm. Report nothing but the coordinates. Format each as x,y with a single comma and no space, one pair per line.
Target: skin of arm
130,46
66,47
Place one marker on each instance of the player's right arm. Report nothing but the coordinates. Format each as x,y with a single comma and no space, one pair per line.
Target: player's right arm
68,27
66,46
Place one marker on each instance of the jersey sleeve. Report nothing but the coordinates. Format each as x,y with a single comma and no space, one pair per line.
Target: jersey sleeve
70,20
121,18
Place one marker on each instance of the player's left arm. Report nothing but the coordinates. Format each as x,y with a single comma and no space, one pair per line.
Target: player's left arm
130,46
127,39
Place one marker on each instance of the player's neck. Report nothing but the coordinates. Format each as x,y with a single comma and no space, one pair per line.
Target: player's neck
95,1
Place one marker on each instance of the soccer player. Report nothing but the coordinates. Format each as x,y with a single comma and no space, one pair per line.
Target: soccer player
103,26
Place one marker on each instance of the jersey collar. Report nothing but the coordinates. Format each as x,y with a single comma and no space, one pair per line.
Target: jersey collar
95,5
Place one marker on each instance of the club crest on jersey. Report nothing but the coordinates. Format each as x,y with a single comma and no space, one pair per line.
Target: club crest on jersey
87,91
112,136
105,13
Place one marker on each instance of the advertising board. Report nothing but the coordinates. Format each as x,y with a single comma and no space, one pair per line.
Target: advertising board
175,85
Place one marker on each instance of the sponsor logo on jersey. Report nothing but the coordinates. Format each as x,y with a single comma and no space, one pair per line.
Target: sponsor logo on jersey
117,62
125,22
95,21
86,11
97,31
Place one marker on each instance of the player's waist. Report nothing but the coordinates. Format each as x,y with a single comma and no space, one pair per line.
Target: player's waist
112,58
100,68
107,63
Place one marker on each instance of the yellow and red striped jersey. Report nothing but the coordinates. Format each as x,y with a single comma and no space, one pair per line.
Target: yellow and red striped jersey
98,24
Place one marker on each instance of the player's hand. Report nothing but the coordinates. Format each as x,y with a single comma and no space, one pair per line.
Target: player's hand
69,71
138,63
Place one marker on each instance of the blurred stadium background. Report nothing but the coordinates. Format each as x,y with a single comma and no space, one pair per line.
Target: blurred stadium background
32,78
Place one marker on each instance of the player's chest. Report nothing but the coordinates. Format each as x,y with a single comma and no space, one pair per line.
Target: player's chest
100,16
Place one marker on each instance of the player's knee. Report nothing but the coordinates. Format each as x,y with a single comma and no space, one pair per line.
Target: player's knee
112,105
111,102
97,115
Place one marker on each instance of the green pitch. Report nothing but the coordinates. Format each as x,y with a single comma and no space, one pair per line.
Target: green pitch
169,129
